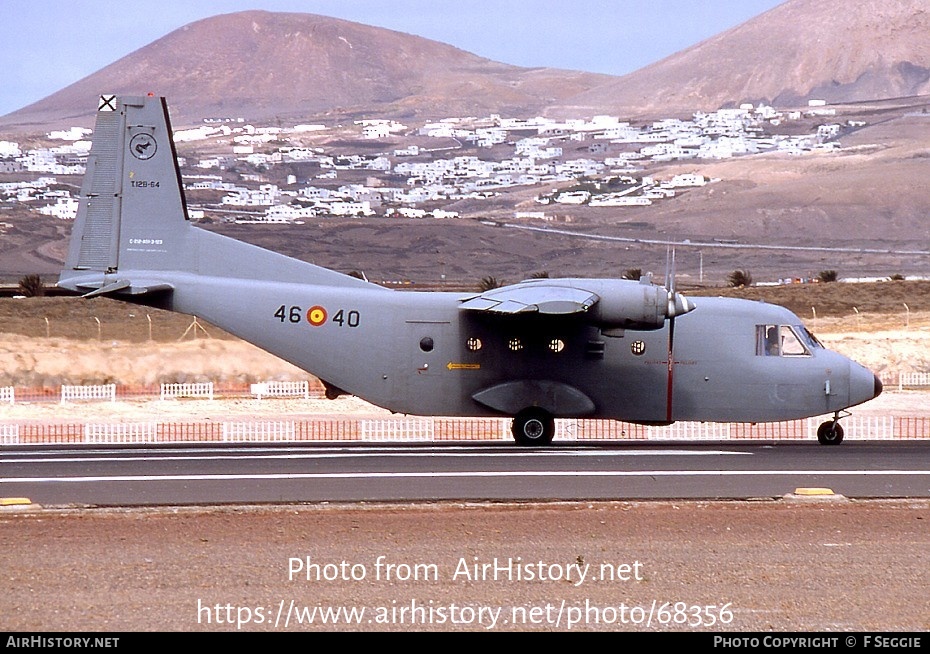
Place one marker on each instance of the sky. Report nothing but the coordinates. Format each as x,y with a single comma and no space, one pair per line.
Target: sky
46,45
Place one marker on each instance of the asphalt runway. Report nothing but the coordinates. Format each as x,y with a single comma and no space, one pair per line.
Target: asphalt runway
327,472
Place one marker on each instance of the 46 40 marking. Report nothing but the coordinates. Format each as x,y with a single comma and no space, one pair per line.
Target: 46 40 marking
317,315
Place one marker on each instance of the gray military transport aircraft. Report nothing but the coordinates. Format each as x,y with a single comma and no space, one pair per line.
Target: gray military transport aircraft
537,350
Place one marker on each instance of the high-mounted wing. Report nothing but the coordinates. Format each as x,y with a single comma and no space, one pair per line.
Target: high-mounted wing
607,303
533,298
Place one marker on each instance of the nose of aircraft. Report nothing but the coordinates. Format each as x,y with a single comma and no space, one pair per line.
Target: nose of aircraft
864,385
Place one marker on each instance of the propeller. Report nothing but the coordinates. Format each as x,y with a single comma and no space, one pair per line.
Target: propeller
677,305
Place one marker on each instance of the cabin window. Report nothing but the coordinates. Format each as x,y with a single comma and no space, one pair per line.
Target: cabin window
780,341
473,344
426,344
556,345
515,344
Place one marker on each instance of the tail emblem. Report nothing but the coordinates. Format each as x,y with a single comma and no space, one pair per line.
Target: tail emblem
143,146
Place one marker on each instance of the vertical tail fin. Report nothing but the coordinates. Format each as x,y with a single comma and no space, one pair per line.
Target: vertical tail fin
132,234
132,213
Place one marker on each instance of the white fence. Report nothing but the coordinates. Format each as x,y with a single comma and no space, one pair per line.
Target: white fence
406,430
121,433
907,379
888,428
854,427
105,392
202,390
9,434
690,431
281,389
7,394
259,432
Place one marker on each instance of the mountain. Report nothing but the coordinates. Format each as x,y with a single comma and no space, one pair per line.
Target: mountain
263,65
803,49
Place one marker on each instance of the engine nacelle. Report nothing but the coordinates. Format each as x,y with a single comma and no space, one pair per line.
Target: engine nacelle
610,304
630,305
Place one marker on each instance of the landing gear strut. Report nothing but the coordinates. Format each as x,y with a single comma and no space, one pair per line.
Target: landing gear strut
831,431
533,426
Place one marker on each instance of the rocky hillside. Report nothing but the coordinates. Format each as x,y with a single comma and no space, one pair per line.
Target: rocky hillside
826,49
263,65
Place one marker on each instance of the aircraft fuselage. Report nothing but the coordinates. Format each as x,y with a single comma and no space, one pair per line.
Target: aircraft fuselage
418,353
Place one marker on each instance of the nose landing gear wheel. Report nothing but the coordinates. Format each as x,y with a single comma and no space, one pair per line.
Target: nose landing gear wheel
533,427
830,433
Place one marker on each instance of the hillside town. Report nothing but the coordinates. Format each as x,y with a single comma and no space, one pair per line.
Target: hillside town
234,171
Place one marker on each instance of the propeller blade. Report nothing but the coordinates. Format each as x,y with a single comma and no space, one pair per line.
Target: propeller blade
671,368
677,304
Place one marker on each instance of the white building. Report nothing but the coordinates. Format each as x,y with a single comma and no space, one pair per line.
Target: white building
407,212
72,134
685,180
64,208
284,213
196,134
9,149
348,208
573,197
379,129
45,161
265,195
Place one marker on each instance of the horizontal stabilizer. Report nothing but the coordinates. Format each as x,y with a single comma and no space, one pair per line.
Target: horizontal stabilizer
94,285
125,287
110,288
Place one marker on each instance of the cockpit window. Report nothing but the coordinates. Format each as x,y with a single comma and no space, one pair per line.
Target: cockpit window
790,343
782,341
811,340
767,341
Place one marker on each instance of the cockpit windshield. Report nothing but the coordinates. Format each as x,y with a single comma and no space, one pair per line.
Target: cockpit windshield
784,341
812,340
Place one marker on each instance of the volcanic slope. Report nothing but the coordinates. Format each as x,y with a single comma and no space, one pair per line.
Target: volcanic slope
802,49
264,65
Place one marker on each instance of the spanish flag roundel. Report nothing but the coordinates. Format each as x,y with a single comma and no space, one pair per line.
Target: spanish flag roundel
316,316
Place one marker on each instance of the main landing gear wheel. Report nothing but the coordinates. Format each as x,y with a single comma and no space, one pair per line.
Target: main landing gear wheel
830,433
533,427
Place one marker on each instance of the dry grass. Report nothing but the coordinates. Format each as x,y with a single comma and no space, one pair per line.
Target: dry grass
100,319
895,299
50,362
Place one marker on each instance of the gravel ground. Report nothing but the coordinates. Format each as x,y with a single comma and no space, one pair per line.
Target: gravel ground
787,565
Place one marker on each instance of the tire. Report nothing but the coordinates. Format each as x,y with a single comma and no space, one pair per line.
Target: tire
533,427
830,433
